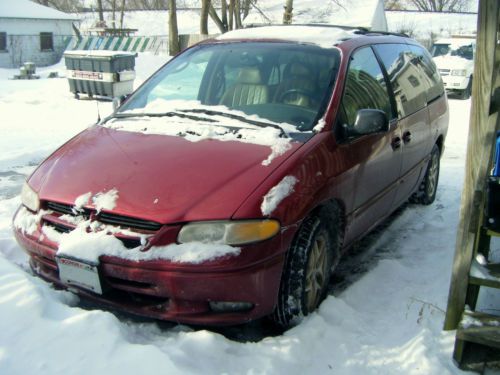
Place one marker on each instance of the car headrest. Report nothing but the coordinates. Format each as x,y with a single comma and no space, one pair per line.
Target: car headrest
297,69
249,75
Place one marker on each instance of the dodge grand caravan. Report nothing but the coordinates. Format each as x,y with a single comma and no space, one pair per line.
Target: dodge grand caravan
228,185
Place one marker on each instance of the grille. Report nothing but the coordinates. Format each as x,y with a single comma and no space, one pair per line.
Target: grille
107,218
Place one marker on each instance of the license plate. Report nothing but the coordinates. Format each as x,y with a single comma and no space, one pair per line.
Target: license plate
77,273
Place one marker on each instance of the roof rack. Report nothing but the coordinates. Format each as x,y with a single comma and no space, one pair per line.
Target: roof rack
378,32
361,30
344,27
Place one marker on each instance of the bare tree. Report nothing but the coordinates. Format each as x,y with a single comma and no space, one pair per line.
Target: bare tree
287,14
441,5
394,5
237,15
173,33
122,13
99,9
205,6
232,14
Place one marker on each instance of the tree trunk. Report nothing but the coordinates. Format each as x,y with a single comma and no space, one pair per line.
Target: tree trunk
287,15
246,8
237,15
223,11
113,7
122,13
231,14
215,17
99,9
173,33
205,6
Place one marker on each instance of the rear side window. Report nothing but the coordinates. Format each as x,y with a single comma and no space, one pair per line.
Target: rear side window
430,73
409,83
365,86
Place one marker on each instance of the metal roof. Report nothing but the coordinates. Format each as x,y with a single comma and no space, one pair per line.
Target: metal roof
25,9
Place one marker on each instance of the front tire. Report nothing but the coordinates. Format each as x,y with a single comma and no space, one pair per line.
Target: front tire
308,266
426,193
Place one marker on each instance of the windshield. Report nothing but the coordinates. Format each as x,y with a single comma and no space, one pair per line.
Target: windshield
270,82
463,51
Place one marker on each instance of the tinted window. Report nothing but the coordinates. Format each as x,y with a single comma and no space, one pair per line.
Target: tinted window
430,73
365,86
3,41
407,79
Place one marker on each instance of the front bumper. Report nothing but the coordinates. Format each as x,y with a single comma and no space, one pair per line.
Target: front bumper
455,82
177,292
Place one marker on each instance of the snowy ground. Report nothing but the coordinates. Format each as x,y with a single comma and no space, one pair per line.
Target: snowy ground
384,314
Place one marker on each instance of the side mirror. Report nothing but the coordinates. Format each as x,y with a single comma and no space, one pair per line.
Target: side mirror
368,121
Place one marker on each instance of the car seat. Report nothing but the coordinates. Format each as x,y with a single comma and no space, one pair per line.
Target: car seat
247,90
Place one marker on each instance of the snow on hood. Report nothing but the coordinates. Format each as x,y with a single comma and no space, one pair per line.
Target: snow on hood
160,178
195,131
451,62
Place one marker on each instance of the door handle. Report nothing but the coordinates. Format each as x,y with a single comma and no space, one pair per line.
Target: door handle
407,137
396,143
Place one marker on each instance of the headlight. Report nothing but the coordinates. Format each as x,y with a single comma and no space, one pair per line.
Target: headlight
459,72
29,198
229,232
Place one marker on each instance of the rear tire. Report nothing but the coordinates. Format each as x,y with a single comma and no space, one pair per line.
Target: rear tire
426,193
308,266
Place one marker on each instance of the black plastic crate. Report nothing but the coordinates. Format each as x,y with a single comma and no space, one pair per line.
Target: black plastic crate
100,73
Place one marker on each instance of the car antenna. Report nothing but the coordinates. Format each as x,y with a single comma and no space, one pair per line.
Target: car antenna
98,114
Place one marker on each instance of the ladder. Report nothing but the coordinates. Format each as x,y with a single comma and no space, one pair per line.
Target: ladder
477,342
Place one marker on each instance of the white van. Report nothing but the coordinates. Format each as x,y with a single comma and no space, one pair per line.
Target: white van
454,58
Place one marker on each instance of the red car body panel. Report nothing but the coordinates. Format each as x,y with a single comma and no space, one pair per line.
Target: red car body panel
171,181
164,178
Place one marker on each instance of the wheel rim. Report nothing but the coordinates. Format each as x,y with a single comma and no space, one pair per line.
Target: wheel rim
432,176
316,272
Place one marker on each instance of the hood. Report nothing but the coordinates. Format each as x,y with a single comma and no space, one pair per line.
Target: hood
451,62
161,178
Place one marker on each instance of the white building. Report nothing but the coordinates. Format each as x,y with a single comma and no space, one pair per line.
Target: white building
32,32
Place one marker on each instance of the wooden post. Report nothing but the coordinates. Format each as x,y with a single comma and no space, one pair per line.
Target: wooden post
173,33
480,151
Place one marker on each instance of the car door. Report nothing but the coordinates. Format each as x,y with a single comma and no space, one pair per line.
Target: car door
410,87
374,160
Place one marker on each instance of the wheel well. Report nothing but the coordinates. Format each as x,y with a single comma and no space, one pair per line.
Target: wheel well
333,207
439,143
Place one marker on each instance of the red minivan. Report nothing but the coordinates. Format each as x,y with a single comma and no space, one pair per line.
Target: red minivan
228,185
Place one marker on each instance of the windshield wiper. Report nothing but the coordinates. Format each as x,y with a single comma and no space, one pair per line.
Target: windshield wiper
236,117
160,114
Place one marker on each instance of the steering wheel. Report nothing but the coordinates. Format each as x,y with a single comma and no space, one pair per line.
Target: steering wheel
288,93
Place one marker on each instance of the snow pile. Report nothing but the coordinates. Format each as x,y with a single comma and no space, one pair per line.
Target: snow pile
277,193
26,221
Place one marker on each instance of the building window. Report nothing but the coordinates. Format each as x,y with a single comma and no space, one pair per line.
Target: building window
46,42
3,41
